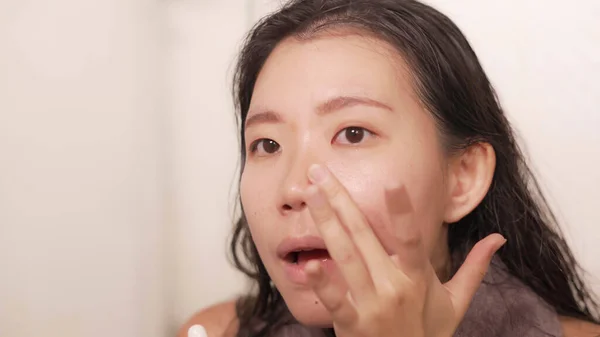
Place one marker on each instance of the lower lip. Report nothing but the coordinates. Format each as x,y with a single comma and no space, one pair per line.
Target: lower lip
295,272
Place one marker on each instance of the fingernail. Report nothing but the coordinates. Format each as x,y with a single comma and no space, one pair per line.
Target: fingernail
317,173
501,242
197,331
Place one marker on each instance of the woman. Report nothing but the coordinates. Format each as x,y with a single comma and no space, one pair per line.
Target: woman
380,176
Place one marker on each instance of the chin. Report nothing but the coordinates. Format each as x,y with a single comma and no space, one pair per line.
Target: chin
316,316
306,311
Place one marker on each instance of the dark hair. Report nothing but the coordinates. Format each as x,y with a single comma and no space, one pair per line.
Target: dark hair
454,88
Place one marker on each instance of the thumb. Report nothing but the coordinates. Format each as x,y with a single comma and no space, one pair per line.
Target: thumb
466,281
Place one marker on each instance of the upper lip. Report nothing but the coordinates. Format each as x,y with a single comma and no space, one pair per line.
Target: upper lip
296,244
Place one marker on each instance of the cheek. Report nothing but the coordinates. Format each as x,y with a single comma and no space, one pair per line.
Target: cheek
367,186
385,228
255,209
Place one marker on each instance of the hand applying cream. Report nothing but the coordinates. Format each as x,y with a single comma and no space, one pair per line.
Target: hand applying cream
197,331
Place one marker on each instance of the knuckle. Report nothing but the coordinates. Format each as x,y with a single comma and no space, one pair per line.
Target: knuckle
377,313
480,272
372,314
364,329
329,228
410,240
323,216
336,204
347,257
392,294
334,306
358,229
420,289
334,190
397,297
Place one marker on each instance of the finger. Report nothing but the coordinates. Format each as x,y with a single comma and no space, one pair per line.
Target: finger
370,248
333,297
465,283
410,253
396,260
339,245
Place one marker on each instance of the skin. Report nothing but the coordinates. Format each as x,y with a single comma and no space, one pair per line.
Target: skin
386,296
302,82
306,95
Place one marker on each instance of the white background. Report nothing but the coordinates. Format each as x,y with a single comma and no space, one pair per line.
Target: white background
118,148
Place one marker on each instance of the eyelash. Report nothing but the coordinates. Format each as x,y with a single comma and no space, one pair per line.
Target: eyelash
366,133
254,146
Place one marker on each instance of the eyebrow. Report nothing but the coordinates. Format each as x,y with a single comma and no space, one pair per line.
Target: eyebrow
263,117
329,106
343,102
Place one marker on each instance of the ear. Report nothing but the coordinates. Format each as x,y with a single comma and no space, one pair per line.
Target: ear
470,175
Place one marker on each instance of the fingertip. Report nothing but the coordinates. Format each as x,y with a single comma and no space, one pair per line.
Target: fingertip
317,173
469,276
314,272
499,237
498,241
313,268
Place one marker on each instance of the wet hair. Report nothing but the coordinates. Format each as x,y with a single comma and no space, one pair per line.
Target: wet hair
454,89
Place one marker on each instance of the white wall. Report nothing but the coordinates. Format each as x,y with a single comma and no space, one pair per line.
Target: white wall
203,38
81,176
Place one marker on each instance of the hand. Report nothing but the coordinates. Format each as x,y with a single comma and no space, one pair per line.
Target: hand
398,295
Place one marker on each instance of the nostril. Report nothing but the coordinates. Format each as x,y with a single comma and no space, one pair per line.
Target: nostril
291,207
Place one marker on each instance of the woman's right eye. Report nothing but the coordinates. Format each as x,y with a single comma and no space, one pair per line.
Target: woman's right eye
264,147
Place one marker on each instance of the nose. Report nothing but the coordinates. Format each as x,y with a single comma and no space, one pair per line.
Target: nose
293,200
294,184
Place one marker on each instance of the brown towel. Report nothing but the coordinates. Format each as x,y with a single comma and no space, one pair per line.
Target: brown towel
502,307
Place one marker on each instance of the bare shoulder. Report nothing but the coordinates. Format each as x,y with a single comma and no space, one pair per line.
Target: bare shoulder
573,327
219,320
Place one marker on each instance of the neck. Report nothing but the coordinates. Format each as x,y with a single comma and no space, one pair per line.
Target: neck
440,256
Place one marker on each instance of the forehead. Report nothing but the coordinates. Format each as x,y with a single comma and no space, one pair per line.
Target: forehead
302,73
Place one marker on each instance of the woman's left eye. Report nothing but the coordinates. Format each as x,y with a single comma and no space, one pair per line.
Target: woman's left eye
352,135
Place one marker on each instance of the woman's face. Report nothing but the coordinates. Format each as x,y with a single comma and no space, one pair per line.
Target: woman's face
346,102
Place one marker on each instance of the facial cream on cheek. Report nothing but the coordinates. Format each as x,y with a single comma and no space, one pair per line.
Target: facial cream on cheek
386,212
398,200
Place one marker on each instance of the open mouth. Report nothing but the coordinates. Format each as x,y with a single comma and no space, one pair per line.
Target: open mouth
301,257
295,252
